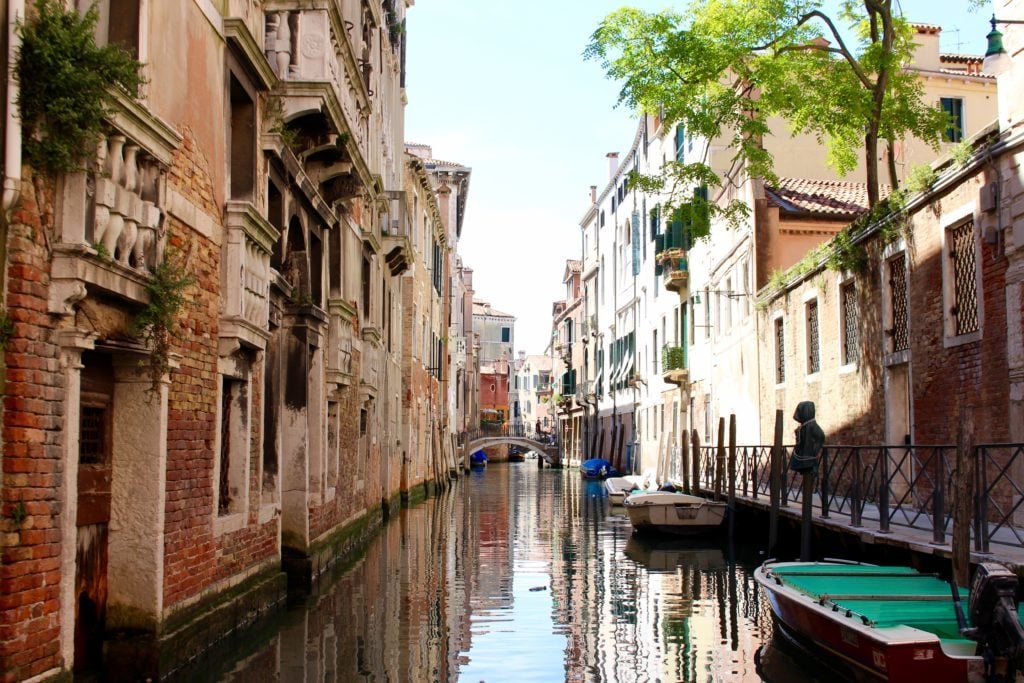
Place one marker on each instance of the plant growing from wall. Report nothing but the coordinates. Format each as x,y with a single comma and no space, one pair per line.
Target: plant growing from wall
154,324
6,328
66,85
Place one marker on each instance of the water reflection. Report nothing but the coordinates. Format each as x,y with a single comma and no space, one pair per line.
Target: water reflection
523,575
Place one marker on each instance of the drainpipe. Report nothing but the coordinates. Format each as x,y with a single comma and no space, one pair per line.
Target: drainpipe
12,137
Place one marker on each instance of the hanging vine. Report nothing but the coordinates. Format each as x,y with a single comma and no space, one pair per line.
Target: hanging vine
66,85
155,323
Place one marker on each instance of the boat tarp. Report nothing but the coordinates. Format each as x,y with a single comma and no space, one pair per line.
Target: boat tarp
885,596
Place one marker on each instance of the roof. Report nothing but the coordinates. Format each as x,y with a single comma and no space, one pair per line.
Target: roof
574,266
926,28
958,58
484,308
836,198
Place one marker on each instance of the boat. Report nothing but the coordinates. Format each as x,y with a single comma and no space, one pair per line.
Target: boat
478,459
673,513
516,453
896,624
620,487
597,468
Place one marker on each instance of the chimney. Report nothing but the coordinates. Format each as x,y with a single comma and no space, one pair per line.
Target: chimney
613,164
593,194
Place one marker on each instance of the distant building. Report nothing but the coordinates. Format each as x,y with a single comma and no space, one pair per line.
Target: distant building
496,330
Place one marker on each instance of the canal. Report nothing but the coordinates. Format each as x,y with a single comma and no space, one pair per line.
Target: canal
521,574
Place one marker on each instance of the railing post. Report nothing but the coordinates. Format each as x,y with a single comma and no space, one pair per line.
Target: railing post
939,502
883,491
824,482
746,473
855,490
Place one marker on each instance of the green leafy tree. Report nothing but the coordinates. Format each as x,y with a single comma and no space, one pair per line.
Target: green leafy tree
65,84
724,68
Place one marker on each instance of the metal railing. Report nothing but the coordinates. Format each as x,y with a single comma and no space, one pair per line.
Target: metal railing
513,429
885,486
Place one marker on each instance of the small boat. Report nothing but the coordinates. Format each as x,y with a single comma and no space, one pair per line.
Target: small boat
478,459
896,624
673,513
597,468
620,487
516,453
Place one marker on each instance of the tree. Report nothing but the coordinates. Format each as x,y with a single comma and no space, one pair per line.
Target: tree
725,67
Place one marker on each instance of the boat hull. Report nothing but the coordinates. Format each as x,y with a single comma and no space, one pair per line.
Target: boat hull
674,513
872,654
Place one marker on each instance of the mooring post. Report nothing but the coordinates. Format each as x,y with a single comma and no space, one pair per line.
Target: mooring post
731,473
720,459
963,499
776,482
695,443
805,519
687,485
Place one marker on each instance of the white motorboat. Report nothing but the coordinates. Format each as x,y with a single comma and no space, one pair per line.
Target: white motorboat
620,487
673,513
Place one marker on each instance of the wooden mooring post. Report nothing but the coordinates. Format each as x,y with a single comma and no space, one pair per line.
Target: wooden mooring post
720,459
695,443
807,498
776,483
732,473
687,481
963,498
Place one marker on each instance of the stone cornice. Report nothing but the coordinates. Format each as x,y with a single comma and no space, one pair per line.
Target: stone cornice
157,137
248,51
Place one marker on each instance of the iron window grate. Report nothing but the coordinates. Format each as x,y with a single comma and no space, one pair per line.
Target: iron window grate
813,355
898,288
965,285
780,352
92,436
851,331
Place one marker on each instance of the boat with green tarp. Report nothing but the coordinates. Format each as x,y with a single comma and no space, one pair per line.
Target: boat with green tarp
897,624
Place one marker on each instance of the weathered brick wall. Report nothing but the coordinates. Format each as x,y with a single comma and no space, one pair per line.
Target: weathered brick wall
32,468
975,372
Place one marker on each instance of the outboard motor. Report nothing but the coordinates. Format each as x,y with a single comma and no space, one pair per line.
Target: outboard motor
996,626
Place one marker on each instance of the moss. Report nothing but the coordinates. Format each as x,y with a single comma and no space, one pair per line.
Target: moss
187,617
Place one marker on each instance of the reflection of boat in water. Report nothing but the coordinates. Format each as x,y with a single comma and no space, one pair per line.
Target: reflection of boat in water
664,555
781,660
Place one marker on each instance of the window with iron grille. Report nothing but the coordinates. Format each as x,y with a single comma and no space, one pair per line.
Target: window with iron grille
851,332
780,352
898,302
965,284
92,435
813,354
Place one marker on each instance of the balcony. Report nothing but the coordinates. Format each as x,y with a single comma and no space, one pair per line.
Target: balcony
673,365
396,244
249,240
112,227
584,391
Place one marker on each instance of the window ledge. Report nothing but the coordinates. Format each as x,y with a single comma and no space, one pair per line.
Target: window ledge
268,512
897,358
813,377
228,523
960,340
848,368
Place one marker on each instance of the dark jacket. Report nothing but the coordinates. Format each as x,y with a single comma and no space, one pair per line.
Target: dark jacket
809,439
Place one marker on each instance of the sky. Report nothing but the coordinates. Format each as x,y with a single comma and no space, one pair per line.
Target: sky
501,86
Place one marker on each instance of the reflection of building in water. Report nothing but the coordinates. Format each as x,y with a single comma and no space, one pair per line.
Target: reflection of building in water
387,617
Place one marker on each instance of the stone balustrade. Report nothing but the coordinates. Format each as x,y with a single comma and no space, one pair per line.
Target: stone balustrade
125,219
249,240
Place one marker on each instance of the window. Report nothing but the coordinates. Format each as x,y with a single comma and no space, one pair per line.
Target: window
234,446
899,330
965,284
707,313
506,334
118,23
813,353
780,352
242,141
850,331
954,108
680,144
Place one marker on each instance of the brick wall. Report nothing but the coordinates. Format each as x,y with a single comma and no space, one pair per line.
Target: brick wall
32,490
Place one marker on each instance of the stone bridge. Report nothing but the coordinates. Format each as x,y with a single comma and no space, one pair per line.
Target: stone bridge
517,435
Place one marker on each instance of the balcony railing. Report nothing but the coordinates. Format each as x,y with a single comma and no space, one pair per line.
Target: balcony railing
584,391
673,364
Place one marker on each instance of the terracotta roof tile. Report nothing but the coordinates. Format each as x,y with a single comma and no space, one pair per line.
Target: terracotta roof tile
820,197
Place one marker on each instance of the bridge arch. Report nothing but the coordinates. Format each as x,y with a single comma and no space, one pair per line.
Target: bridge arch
549,452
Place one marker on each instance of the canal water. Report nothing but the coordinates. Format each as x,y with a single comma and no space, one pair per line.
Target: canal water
521,574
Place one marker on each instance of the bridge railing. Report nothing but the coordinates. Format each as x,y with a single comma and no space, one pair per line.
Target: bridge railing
512,429
910,486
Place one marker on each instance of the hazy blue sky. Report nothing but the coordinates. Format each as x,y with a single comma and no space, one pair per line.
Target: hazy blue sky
501,86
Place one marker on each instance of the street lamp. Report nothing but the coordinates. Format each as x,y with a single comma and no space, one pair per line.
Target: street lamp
996,59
